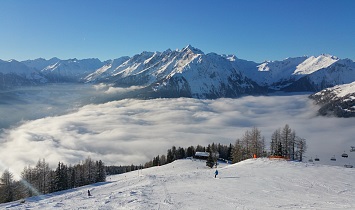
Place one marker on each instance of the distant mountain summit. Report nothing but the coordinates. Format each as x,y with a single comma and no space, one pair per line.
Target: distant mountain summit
181,73
187,72
14,73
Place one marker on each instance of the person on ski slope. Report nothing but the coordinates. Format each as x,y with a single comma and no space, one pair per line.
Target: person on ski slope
215,173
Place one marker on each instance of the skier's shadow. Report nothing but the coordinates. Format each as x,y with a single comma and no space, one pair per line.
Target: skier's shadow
229,177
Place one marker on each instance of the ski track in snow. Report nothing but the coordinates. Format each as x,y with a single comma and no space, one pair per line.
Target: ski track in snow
187,184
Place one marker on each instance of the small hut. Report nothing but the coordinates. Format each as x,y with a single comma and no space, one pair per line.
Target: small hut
202,155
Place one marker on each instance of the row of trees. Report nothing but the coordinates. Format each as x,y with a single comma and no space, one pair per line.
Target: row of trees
223,151
252,143
111,170
41,179
284,143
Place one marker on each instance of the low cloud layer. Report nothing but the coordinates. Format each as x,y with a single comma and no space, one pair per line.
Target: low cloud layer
133,131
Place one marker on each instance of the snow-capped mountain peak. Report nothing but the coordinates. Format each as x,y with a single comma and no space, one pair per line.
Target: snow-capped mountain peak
313,64
194,73
191,49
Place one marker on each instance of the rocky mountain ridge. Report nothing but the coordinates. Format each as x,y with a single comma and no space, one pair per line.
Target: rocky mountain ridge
188,72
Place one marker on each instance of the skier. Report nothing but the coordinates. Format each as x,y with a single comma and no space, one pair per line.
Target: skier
89,193
215,173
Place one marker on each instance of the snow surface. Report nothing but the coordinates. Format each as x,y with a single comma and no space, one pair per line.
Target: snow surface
313,64
339,90
189,184
20,69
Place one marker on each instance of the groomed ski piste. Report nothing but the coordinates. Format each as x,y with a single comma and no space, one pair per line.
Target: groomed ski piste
188,184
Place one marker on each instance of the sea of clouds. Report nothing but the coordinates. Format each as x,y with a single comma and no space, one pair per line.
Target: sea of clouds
131,131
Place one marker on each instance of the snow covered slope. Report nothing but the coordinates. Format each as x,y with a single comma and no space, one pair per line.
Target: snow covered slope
191,73
187,72
106,70
340,72
14,73
338,100
71,70
186,184
40,63
279,75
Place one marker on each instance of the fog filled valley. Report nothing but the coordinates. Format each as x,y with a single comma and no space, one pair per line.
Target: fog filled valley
69,123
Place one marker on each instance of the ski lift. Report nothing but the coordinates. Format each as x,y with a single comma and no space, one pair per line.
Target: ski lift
344,155
333,158
352,149
348,166
310,160
316,159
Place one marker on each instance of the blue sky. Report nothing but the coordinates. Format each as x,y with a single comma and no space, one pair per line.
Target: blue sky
252,29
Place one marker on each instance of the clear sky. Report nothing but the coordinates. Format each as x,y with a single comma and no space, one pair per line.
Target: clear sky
251,29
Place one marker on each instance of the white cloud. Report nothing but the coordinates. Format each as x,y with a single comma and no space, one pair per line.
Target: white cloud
107,89
133,131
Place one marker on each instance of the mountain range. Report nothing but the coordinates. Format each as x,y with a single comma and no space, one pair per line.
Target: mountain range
186,72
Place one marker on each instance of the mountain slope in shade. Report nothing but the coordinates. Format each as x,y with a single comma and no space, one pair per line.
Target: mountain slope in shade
338,100
189,184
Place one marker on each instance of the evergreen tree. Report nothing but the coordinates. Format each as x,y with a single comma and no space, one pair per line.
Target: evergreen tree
89,171
237,152
190,152
210,162
200,148
173,151
61,177
229,153
180,153
101,172
275,142
169,156
6,187
52,182
71,177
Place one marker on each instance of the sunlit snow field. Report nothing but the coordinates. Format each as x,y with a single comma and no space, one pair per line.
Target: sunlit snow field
186,184
69,123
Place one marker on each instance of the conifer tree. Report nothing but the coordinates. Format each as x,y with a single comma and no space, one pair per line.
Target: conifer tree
210,162
237,152
101,172
6,187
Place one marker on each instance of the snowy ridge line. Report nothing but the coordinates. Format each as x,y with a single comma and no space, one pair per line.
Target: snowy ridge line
188,72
